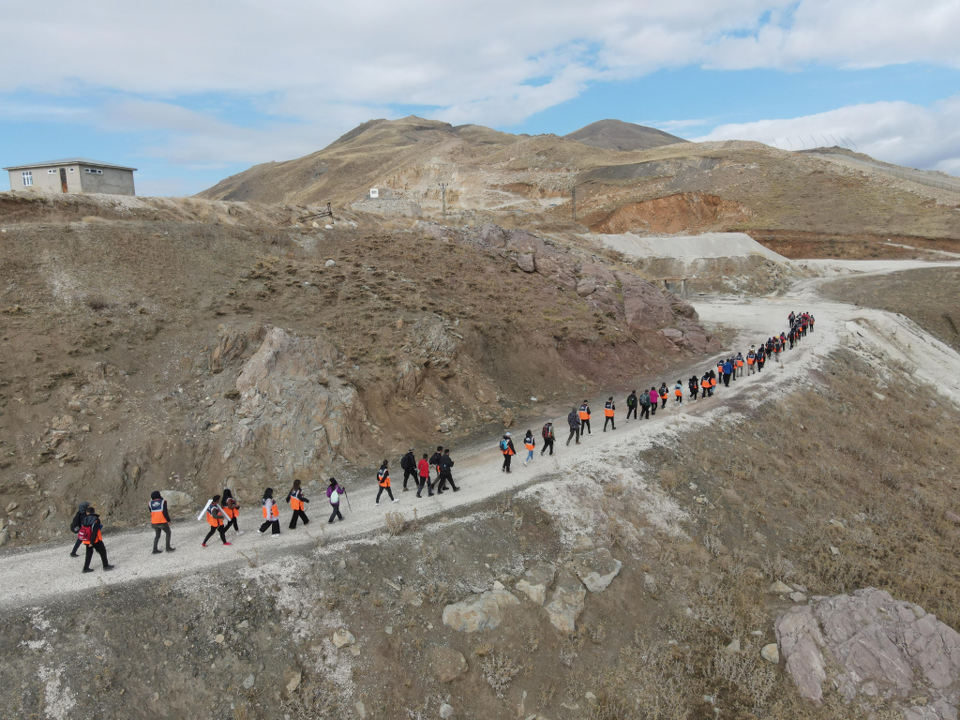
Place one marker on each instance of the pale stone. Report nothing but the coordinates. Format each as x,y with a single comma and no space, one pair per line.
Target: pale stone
597,569
798,597
733,647
780,588
447,711
479,612
771,653
536,581
447,664
566,603
343,637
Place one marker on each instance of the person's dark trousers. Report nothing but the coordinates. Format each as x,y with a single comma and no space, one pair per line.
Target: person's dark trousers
220,529
585,427
157,529
429,485
298,515
336,513
547,444
101,551
76,546
693,393
664,401
726,379
273,525
759,366
232,524
574,433
632,410
506,462
448,478
613,425
409,474
645,412
389,492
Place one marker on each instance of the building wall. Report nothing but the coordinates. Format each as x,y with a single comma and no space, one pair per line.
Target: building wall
112,181
44,181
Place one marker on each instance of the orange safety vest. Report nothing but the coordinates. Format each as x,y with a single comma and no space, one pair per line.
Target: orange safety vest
94,540
750,360
211,520
383,477
584,412
713,382
678,392
231,512
607,410
156,512
273,513
295,502
739,363
529,445
663,394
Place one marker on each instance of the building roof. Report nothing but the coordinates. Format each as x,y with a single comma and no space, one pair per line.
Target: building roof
69,161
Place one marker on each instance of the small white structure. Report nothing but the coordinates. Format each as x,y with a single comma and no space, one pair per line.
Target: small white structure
374,193
72,175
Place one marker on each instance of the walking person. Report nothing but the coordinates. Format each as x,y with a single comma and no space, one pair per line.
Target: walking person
738,363
694,386
75,526
761,358
297,500
645,404
508,450
654,397
548,438
383,479
271,514
334,492
678,393
632,402
706,386
91,535
446,471
663,395
751,361
609,410
231,509
585,419
435,463
423,470
573,420
727,372
215,518
160,519
529,443
408,463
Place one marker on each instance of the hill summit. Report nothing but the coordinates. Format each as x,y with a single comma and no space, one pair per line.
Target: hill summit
619,135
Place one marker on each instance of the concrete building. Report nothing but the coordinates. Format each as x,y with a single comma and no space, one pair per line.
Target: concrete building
73,175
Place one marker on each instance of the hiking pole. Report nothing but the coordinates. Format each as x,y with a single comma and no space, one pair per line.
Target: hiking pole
348,501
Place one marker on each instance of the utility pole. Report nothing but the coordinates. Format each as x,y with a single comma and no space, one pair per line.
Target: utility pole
574,199
443,192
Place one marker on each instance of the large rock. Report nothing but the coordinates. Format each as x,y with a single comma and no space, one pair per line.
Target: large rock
536,581
597,569
525,262
447,664
479,612
644,306
566,602
232,344
869,644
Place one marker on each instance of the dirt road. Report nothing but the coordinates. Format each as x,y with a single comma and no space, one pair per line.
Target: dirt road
890,343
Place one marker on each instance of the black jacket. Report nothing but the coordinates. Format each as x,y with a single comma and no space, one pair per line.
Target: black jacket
445,465
573,420
632,400
78,518
408,462
435,460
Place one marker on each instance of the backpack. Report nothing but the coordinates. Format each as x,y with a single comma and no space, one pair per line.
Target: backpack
504,445
85,534
547,432
645,400
334,497
631,401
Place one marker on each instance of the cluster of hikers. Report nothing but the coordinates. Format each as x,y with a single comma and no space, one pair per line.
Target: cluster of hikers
222,511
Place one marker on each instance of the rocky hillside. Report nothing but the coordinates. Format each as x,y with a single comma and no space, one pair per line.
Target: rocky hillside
162,351
619,135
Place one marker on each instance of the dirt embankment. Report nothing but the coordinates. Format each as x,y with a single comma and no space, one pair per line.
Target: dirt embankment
683,212
803,245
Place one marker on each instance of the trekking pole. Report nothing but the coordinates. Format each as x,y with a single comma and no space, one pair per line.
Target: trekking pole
348,500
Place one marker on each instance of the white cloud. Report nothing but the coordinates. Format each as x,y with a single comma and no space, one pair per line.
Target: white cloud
896,132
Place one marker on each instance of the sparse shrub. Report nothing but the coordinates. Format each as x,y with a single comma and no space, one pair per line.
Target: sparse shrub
499,671
396,522
97,303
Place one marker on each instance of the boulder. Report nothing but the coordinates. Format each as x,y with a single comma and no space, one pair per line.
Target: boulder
566,602
491,234
525,262
523,242
447,664
343,637
779,588
232,344
586,286
479,612
597,569
644,306
175,498
869,644
536,581
770,653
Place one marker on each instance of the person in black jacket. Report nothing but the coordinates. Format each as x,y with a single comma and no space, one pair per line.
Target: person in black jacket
160,519
573,420
446,474
94,529
632,402
297,504
75,526
408,463
435,463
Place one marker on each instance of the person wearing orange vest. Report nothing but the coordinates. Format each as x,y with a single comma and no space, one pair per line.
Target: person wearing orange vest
508,450
609,410
529,443
296,499
91,535
160,519
383,479
271,514
231,509
751,361
215,518
585,418
663,395
706,385
739,364
694,384
678,393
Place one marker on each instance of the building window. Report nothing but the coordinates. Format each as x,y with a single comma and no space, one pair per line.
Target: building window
27,178
93,171
51,172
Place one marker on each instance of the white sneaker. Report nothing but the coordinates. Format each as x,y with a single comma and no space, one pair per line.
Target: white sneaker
378,502
395,500
239,532
260,531
275,537
524,463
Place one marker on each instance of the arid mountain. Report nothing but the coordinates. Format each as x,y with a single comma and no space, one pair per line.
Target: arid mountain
619,135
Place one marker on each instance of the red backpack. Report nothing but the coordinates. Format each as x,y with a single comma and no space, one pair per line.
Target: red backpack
85,534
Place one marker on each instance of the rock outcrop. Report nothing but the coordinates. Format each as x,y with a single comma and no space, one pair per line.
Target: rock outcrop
868,644
536,581
566,602
479,612
597,569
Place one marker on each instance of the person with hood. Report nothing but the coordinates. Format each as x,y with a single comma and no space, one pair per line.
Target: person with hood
508,450
297,504
585,419
75,526
423,470
271,514
654,400
609,411
529,443
160,519
383,480
231,508
738,362
645,404
334,491
446,472
727,372
548,438
632,402
706,386
751,361
408,463
663,395
573,420
678,393
435,463
761,357
91,535
694,384
215,518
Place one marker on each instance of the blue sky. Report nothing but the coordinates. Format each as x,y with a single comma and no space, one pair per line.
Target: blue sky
192,92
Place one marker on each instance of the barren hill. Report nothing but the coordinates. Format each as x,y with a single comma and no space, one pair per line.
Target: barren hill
619,135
